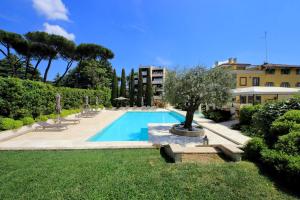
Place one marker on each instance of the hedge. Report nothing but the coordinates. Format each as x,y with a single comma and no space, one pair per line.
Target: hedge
25,98
247,112
217,115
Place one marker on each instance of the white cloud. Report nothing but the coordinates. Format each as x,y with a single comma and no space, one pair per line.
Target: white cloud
52,9
162,61
57,30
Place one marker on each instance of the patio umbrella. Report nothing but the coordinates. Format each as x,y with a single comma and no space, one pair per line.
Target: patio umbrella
58,104
86,101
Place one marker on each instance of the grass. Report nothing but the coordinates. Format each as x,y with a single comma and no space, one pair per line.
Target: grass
126,174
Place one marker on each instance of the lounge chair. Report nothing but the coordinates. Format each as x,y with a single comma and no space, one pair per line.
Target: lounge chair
75,121
44,125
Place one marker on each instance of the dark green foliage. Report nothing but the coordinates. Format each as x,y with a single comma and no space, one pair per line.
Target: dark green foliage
140,90
265,116
286,166
8,123
93,75
149,91
131,92
217,115
21,98
289,143
247,112
115,88
27,120
253,149
41,118
123,84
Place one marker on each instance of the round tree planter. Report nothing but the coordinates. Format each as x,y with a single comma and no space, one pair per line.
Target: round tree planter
179,130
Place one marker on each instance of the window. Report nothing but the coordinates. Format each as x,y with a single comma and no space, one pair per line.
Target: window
257,99
243,99
297,84
269,84
285,71
298,71
243,81
255,81
285,84
270,71
250,99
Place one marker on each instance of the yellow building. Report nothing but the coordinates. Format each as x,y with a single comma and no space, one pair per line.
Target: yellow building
265,75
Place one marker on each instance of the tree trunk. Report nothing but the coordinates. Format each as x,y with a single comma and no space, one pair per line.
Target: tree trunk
64,74
47,69
189,119
27,67
35,69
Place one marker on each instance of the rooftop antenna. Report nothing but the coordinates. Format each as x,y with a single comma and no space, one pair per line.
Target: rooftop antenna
266,47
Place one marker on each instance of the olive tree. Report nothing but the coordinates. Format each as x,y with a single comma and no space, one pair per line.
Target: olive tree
196,86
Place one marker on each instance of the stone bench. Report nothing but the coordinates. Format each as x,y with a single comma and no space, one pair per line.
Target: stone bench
202,153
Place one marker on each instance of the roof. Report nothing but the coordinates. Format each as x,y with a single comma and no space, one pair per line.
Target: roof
269,65
265,90
231,64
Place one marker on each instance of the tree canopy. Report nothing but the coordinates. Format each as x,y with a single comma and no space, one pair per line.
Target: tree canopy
196,86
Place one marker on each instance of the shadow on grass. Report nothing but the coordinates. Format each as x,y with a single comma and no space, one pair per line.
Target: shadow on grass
165,156
278,180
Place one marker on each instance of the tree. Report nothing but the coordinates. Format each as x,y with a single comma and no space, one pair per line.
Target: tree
8,40
149,92
58,45
131,88
93,76
123,84
67,53
140,89
114,89
198,86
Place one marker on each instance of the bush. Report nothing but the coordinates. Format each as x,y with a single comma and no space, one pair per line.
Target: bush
253,149
218,115
24,98
292,115
8,123
41,118
246,114
249,130
289,143
286,166
27,120
269,112
65,113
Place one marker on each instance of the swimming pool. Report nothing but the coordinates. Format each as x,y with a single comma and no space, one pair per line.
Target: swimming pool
132,126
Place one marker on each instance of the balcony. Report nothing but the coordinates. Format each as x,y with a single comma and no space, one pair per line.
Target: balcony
157,81
157,74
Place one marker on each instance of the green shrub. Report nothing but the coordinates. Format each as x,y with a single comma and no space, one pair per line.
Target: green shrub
247,112
286,166
8,123
249,130
289,143
292,115
279,128
269,112
25,98
217,115
52,116
65,113
253,149
27,120
41,118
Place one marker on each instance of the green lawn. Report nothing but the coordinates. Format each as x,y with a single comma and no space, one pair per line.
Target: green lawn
126,174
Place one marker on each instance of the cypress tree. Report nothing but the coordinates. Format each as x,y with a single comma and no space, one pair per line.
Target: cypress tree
140,89
114,88
131,89
149,92
123,84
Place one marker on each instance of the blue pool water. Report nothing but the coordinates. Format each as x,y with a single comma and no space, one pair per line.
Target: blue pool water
132,126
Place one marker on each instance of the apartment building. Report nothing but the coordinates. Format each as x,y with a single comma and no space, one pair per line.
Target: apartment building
265,75
157,75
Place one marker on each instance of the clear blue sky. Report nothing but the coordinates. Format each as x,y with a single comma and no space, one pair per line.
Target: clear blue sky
166,32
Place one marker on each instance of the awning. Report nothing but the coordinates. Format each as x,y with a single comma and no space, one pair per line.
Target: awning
265,91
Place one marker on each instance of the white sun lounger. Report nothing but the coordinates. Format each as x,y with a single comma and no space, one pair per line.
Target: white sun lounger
44,125
61,120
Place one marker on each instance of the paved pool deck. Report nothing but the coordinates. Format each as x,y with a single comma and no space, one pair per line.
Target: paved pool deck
76,136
